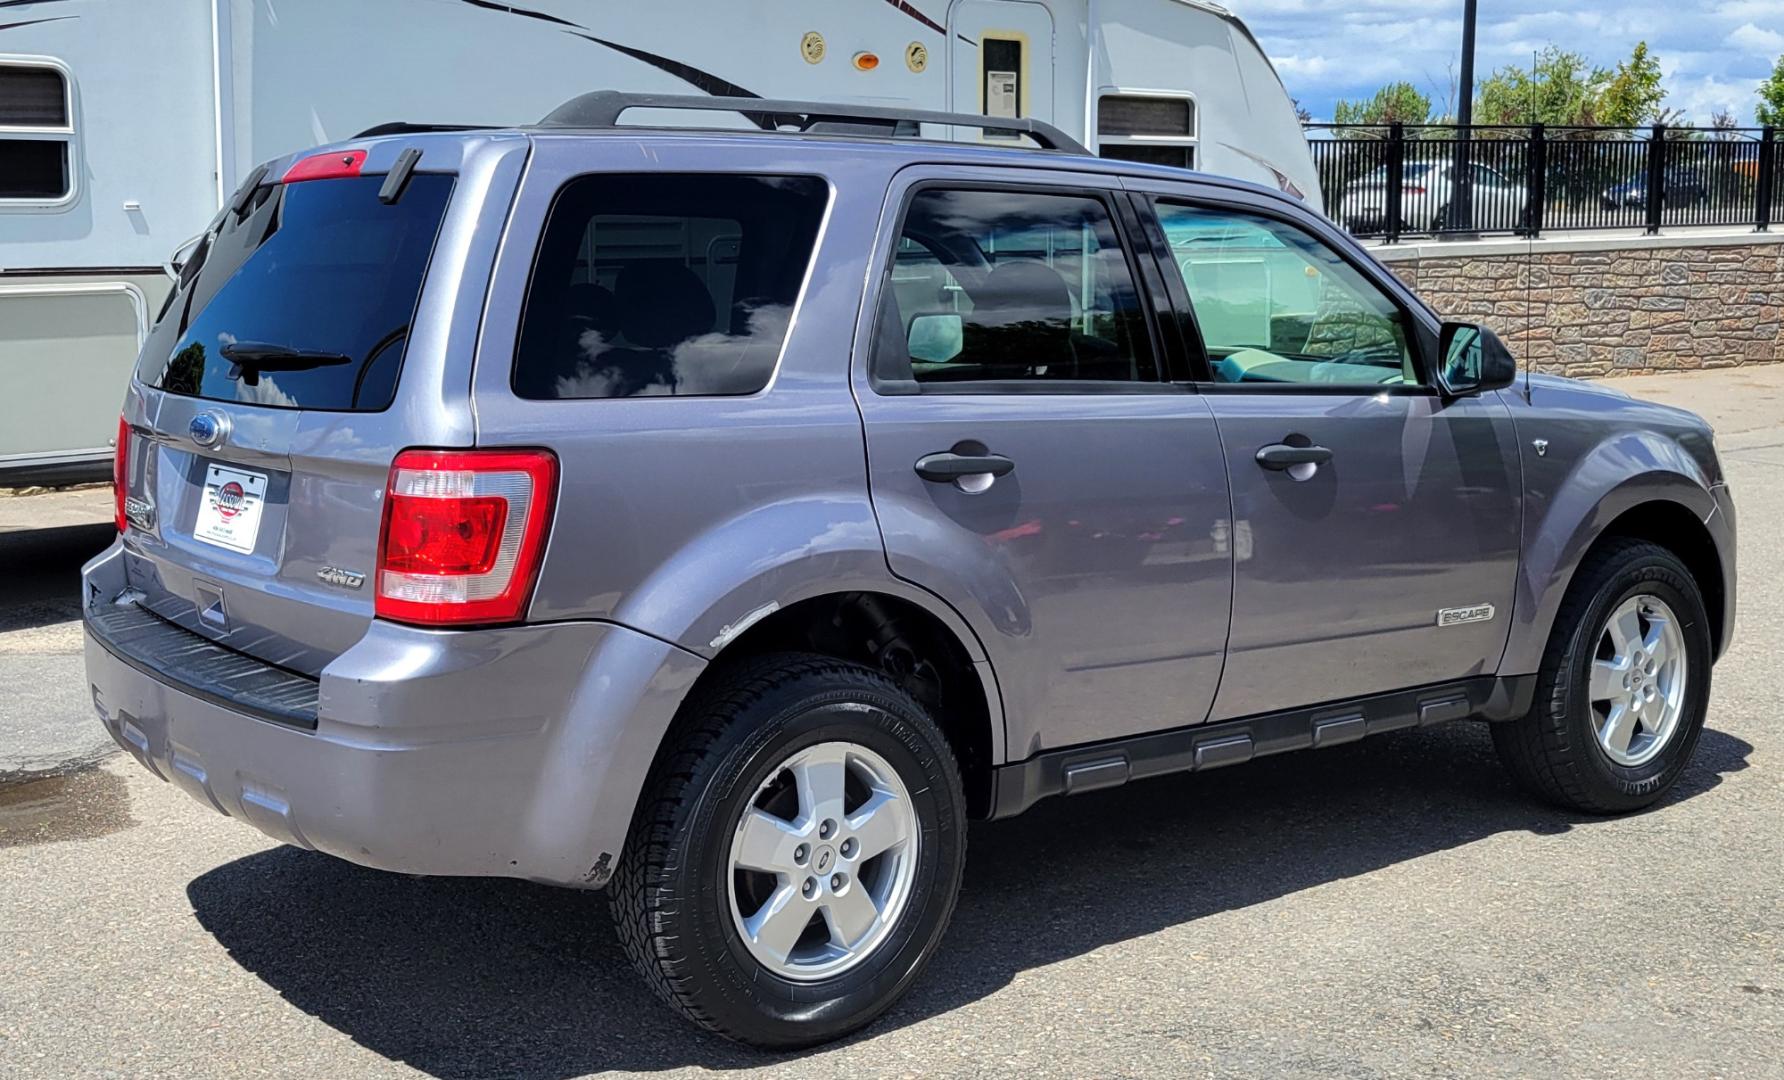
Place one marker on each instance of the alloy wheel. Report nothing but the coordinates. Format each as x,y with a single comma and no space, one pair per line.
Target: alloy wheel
822,861
1637,685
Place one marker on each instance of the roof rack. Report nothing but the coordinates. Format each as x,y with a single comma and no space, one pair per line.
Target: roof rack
602,109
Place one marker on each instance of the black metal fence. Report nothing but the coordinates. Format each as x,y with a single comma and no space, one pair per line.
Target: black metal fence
1397,180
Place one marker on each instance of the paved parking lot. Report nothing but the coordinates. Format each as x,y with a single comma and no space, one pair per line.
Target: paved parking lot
1390,908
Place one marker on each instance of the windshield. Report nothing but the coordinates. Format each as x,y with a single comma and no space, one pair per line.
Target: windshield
303,300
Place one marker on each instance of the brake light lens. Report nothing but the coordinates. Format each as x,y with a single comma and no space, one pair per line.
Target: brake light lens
464,533
1410,190
330,166
121,474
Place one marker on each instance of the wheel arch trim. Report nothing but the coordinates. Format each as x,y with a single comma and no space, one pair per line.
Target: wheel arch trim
1585,506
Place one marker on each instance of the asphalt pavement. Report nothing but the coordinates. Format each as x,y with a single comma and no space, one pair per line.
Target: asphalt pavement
46,717
1392,908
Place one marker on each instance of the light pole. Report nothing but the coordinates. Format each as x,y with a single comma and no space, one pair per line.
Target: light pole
1462,197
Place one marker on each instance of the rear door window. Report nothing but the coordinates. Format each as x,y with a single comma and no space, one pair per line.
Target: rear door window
1013,286
303,299
666,285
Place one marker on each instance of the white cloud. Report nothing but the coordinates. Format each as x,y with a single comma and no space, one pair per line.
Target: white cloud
1755,39
1750,9
1714,52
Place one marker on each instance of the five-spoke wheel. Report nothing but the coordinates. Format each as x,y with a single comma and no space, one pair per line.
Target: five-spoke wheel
798,853
1624,684
822,861
1637,686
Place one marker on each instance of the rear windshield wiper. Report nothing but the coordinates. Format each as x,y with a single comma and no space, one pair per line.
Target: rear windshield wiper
248,358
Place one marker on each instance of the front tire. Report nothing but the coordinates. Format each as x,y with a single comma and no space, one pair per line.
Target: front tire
797,853
1624,685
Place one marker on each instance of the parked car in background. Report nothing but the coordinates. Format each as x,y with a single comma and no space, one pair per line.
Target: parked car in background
1682,187
1427,192
724,518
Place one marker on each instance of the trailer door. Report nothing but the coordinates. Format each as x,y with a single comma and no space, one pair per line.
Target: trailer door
1002,62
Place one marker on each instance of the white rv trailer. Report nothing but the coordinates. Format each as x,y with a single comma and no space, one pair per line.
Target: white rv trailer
123,126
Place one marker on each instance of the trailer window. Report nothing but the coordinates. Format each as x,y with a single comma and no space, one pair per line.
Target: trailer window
1156,129
36,133
1001,73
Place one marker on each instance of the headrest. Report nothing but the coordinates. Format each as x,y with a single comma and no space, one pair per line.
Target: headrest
662,304
596,307
1022,292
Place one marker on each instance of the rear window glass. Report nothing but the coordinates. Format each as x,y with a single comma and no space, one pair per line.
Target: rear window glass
666,284
303,300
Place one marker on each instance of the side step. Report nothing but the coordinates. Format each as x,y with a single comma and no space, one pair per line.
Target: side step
1079,769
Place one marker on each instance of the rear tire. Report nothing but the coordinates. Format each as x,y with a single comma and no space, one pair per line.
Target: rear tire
1584,745
689,904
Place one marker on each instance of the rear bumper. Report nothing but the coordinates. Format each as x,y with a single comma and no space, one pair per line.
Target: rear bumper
516,752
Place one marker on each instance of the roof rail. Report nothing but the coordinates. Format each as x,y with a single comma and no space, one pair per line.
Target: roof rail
602,109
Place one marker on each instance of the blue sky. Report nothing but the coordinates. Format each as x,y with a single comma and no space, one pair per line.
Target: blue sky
1714,52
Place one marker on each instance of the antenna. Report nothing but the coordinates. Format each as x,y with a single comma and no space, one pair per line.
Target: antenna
1530,238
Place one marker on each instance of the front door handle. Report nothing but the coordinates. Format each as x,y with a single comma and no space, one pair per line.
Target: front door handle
947,467
1281,456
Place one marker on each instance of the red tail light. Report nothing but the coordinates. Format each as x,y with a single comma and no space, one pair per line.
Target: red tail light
1410,190
330,166
464,533
121,474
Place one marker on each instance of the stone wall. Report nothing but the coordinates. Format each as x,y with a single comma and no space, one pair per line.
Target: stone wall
1593,309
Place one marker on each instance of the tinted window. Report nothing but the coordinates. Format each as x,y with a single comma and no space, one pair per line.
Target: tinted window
32,97
666,284
1145,116
1178,157
33,168
303,300
34,154
1011,285
1277,306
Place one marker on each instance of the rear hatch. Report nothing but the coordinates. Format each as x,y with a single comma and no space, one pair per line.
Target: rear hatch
267,411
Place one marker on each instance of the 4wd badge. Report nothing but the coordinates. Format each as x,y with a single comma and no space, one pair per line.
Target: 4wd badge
346,579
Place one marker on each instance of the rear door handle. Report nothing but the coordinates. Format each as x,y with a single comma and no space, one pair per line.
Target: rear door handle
947,466
1281,456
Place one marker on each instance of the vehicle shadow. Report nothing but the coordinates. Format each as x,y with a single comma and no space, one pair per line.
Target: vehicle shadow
44,573
469,977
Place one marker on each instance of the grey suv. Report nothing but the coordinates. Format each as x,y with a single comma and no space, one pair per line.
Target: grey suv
725,518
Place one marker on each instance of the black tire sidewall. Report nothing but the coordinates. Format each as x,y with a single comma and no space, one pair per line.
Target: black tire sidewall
1653,574
740,994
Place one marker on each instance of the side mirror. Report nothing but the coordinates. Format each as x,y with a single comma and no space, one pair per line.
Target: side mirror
1474,361
936,339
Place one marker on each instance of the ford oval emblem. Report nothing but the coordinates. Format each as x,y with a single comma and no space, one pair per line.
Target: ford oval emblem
208,429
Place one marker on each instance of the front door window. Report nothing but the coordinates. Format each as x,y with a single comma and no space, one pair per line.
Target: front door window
1277,306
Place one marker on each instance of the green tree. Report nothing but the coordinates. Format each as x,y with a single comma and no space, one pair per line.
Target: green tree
1771,97
1395,103
1633,95
1562,90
